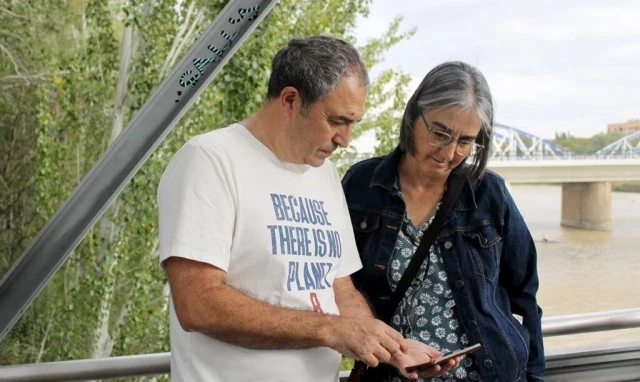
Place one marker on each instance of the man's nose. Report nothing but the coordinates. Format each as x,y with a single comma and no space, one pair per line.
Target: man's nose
343,137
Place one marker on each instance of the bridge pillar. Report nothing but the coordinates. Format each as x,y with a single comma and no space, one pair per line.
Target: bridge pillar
587,205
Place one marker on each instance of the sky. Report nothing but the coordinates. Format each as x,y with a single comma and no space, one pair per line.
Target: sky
552,66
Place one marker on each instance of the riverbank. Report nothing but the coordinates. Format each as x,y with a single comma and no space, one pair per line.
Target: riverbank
626,186
615,186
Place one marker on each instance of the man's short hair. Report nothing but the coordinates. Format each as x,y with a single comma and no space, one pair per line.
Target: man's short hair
314,66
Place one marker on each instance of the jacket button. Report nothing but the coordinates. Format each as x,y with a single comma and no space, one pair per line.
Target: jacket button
459,284
473,324
448,245
363,224
416,282
487,363
406,329
418,239
380,267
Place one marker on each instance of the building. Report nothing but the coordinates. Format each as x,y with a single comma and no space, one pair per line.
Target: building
626,128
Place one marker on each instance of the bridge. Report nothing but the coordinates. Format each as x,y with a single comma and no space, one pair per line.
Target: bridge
511,143
586,187
521,157
583,170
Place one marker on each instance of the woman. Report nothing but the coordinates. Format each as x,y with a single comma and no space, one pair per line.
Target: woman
481,269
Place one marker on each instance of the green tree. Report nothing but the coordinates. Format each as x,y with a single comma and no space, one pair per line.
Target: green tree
586,146
387,98
30,34
602,140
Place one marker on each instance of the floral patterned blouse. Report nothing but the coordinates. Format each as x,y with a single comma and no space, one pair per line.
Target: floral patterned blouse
427,311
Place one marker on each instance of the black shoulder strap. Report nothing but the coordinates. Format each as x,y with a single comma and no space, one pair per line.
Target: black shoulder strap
423,249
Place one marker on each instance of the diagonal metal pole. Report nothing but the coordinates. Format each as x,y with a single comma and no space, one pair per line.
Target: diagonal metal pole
125,156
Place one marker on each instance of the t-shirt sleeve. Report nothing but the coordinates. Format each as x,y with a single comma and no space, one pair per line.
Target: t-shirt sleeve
350,261
196,207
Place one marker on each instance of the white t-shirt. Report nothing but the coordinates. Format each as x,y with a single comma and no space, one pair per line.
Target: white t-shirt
282,233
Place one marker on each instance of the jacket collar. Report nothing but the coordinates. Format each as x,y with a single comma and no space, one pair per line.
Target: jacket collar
386,173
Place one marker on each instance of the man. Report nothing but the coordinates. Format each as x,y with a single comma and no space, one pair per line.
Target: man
256,238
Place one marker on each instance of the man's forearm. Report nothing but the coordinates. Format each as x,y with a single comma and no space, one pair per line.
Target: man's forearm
231,316
349,300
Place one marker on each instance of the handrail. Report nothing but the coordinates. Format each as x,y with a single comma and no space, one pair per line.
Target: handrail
590,322
159,363
87,369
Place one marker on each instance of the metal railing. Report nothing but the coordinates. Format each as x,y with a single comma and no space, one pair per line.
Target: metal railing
89,369
591,322
609,361
595,364
619,363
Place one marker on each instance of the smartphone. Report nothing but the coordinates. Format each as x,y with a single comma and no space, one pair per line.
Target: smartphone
444,359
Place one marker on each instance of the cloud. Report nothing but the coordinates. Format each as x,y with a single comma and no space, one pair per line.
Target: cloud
552,65
623,52
520,28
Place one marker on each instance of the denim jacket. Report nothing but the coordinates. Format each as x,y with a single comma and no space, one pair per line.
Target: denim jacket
489,256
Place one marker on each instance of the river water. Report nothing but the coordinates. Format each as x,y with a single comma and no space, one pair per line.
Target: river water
584,271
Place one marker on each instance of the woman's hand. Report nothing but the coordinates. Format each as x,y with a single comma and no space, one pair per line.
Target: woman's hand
419,353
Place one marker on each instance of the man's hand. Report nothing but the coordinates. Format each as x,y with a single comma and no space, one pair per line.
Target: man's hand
418,353
366,339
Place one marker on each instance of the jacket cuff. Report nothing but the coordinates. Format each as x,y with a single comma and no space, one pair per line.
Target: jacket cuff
534,378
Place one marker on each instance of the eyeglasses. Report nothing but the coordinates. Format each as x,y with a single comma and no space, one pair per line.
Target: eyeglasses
438,138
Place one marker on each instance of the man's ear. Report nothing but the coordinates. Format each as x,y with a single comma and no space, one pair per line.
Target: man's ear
290,101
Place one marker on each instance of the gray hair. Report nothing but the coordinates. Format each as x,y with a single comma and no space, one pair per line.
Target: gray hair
314,66
452,84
